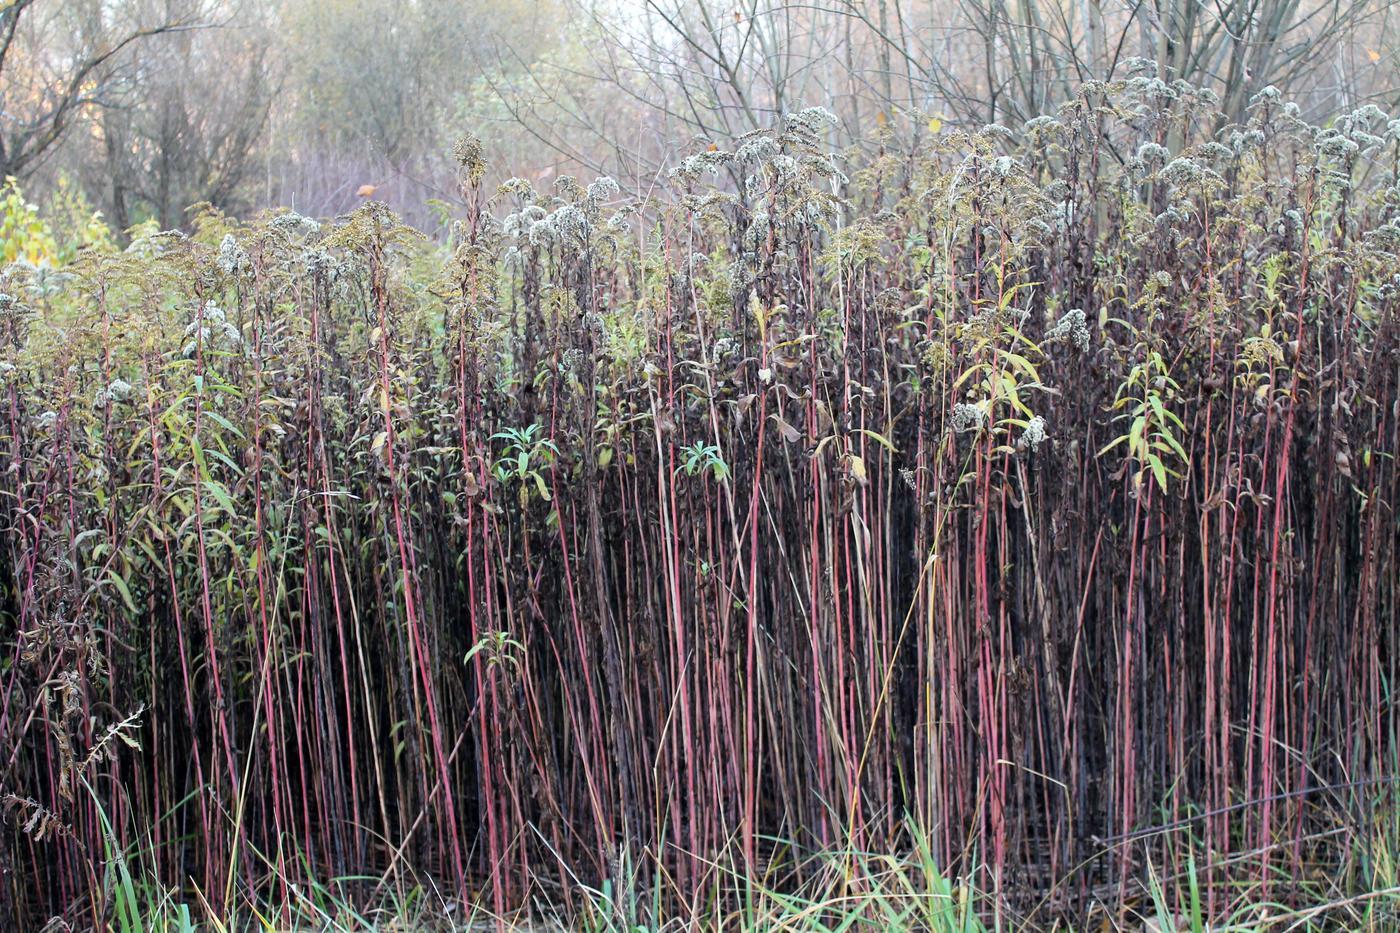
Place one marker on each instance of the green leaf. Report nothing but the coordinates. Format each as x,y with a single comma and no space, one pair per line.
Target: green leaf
1155,401
1159,470
224,423
1175,446
1112,444
220,494
122,588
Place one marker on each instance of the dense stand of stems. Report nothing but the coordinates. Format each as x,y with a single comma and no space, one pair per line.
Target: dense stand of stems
1027,502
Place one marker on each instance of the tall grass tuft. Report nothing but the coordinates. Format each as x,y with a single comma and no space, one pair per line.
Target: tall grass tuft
999,535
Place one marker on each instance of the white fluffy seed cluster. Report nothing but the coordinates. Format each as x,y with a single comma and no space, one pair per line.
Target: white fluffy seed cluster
1034,434
208,327
233,259
1072,327
292,224
118,390
967,418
